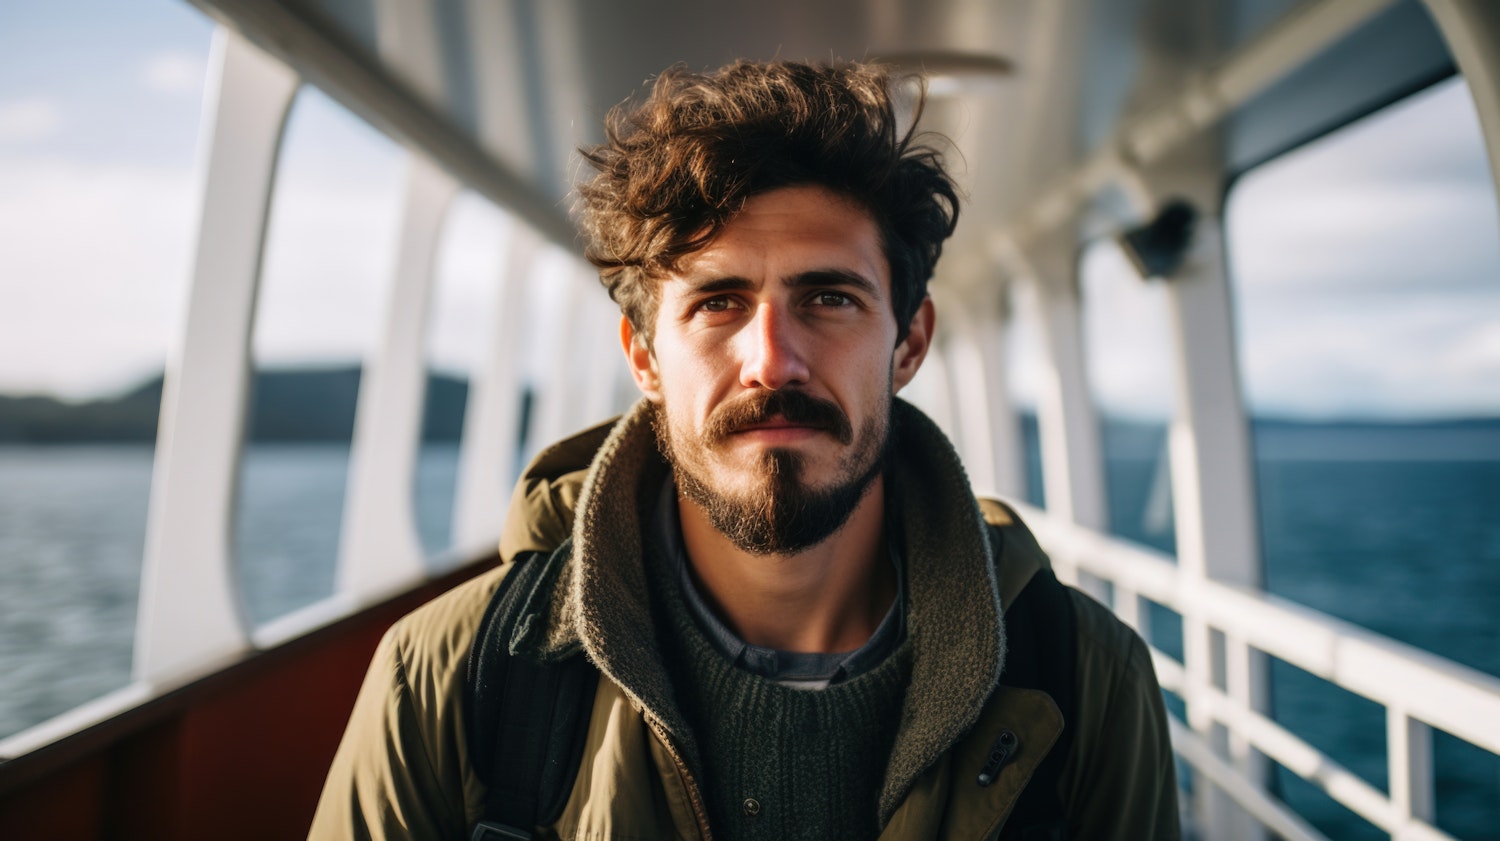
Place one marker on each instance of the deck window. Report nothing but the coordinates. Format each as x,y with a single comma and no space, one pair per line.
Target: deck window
1364,269
99,117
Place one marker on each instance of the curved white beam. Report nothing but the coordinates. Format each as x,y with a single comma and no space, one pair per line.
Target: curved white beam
379,552
1472,30
190,619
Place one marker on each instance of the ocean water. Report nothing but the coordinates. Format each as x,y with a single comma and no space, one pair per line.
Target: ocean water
1398,534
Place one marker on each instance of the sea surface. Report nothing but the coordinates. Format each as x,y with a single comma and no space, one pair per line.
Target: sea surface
1396,530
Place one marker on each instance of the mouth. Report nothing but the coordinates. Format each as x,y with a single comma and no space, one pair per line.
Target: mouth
778,429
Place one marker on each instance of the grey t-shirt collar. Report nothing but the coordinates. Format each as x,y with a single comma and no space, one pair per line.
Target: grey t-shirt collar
791,668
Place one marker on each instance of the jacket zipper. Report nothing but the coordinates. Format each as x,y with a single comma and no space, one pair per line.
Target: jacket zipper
694,798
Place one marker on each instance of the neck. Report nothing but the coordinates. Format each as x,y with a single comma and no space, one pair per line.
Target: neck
828,598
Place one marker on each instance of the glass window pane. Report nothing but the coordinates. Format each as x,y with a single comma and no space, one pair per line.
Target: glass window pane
330,251
468,274
99,113
1023,358
1128,342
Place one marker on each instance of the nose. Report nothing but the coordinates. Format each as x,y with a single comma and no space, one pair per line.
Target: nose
773,353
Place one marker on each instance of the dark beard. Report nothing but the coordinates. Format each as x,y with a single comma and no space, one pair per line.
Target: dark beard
781,516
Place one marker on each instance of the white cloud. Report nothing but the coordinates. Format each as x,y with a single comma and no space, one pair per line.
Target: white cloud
33,118
173,72
468,269
93,272
1127,336
1411,354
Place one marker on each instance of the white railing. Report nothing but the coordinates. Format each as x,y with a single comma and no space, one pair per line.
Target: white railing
1418,689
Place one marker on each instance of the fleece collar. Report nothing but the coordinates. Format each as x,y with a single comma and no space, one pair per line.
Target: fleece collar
594,594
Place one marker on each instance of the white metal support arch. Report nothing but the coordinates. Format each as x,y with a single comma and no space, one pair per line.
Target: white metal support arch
379,552
1213,496
492,419
190,619
1472,30
1212,477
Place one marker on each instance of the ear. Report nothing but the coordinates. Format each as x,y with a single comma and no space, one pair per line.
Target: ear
913,349
641,360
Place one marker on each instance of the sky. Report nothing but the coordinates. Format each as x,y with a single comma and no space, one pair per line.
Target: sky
1365,266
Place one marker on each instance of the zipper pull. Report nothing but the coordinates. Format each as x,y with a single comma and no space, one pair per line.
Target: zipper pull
1000,753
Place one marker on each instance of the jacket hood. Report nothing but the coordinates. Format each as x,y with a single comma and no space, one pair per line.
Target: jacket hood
589,496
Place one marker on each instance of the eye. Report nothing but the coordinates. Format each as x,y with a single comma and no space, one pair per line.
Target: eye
719,304
832,299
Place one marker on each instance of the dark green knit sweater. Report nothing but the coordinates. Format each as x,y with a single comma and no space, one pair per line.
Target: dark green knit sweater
779,762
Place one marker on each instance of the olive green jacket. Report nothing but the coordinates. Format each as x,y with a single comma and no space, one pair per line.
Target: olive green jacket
402,770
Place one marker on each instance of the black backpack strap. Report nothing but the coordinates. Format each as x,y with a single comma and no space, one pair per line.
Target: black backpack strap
1041,653
526,721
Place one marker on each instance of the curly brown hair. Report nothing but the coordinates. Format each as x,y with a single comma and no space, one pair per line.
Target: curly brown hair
680,164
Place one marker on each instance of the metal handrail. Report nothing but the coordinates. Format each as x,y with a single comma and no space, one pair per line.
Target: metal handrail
1419,690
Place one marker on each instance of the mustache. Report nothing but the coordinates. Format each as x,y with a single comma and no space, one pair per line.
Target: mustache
763,406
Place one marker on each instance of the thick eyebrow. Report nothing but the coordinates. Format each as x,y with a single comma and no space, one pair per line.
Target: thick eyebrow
814,277
710,285
834,277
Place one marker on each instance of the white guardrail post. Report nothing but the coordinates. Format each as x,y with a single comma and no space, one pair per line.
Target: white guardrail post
191,619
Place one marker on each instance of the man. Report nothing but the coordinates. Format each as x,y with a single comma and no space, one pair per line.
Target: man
803,623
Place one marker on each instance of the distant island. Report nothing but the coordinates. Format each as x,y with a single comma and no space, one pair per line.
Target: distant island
312,404
317,405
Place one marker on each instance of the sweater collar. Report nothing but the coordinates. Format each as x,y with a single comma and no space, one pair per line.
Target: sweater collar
594,595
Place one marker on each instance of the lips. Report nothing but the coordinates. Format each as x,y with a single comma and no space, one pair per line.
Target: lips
779,423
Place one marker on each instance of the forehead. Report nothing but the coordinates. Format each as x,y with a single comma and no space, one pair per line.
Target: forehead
788,231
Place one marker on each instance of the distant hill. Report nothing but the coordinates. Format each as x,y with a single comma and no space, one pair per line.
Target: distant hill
286,405
317,404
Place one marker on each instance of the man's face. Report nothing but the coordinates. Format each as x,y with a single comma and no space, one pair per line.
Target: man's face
773,365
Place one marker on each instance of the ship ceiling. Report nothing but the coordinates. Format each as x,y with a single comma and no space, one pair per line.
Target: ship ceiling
517,86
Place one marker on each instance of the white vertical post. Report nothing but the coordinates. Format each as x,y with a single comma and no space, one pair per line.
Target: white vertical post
1212,477
490,447
190,617
1072,461
379,552
1409,754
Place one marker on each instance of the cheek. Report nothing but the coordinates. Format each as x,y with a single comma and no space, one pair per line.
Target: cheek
689,384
